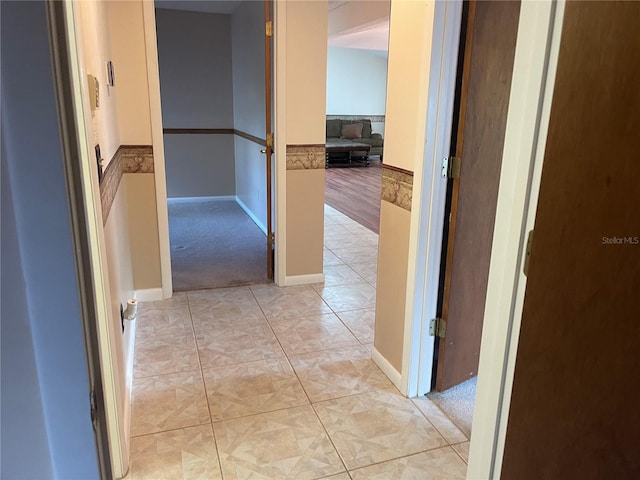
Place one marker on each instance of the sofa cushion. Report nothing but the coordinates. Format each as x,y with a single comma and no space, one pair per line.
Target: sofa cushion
334,128
366,126
353,130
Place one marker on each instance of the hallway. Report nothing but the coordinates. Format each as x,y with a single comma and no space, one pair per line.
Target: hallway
268,382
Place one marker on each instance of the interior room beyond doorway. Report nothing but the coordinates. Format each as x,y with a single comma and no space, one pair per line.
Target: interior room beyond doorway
212,82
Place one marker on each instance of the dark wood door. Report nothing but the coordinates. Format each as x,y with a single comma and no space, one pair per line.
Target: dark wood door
268,134
483,98
574,409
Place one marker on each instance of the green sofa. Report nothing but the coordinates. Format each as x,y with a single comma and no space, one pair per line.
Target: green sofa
374,140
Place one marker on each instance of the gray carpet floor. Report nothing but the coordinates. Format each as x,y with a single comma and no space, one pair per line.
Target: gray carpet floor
214,244
457,403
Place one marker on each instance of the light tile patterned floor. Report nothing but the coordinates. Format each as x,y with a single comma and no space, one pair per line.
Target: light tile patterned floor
272,383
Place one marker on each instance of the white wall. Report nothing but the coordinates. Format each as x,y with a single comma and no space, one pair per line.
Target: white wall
194,54
34,167
356,81
247,30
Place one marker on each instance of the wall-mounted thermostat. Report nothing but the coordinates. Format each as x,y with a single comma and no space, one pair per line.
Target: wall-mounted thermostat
94,92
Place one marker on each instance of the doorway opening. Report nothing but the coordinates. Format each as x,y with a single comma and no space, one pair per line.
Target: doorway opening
215,91
355,114
483,84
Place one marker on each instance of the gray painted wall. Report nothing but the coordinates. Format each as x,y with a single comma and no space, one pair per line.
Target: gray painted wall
38,197
247,27
191,171
196,88
23,435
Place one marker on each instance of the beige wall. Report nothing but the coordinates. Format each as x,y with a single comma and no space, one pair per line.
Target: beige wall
143,218
393,248
409,48
306,74
126,35
410,34
97,50
118,259
305,221
114,31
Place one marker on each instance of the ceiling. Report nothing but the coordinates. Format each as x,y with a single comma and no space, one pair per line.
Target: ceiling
370,36
225,7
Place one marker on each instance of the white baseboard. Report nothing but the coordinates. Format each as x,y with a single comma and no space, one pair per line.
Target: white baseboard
219,198
251,215
149,294
131,350
387,369
303,279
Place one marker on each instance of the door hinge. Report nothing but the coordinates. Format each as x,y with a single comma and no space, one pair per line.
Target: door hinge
438,327
268,30
93,403
527,254
451,167
271,238
270,140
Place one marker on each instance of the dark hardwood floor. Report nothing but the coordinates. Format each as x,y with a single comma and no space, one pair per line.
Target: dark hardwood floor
355,191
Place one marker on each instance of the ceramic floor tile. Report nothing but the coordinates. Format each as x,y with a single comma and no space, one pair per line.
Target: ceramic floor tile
340,476
440,464
335,229
463,450
330,211
220,295
253,387
438,419
376,426
310,334
238,344
184,454
338,372
368,271
155,320
349,241
159,354
329,220
357,255
166,402
331,259
176,300
226,312
336,275
289,302
342,219
361,323
355,227
288,443
351,297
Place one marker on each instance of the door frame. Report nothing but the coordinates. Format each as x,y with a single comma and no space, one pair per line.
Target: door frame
155,113
526,135
157,141
73,97
540,24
